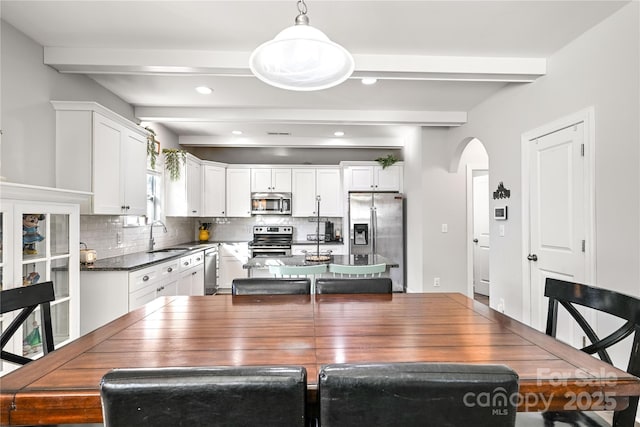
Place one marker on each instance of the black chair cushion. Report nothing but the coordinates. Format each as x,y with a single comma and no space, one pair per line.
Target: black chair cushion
271,286
217,396
417,394
378,285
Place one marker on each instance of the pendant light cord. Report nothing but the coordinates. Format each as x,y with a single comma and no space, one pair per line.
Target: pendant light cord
302,7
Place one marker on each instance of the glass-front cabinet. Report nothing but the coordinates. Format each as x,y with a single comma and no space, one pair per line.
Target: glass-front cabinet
40,242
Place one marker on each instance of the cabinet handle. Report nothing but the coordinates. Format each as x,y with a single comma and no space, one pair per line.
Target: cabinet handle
222,211
169,270
158,289
123,207
145,278
194,273
198,259
186,263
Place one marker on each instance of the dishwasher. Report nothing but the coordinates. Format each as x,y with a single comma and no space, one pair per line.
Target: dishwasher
211,270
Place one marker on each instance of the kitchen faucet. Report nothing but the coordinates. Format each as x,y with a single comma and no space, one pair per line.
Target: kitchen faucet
151,241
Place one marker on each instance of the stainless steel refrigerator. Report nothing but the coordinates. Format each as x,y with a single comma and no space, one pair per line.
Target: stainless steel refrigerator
376,226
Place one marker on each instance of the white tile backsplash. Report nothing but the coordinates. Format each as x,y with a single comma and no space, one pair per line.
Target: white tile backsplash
108,236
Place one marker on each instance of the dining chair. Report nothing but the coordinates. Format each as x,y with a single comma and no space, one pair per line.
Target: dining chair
376,285
205,396
627,308
308,271
27,299
417,394
374,270
270,286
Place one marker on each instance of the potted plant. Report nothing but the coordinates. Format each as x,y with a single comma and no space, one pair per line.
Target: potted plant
152,147
173,158
387,161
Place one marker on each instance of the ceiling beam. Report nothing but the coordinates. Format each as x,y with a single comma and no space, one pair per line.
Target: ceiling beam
223,63
300,116
289,142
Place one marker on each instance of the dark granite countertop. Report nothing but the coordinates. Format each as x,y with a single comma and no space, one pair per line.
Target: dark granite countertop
265,262
309,242
138,260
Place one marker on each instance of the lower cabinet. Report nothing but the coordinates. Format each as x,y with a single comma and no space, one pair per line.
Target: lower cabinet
232,256
107,295
191,276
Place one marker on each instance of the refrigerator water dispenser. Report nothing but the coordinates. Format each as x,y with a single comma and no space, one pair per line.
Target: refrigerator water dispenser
360,234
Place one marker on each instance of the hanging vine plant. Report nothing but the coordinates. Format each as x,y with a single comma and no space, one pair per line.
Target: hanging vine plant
173,160
152,147
387,161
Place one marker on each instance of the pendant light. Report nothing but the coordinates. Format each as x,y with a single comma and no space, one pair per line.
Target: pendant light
301,58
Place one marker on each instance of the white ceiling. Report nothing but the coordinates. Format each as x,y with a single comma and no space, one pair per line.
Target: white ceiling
436,60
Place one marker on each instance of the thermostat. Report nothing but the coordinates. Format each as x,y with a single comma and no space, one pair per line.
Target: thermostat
500,213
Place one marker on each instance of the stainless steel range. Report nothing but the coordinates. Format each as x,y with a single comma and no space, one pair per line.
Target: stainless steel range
271,240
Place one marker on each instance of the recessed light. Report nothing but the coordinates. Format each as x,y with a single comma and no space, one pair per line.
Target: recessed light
236,132
204,90
369,80
338,133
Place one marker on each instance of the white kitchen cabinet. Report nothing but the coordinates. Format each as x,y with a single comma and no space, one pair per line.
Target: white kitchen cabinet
311,182
366,177
49,251
107,295
214,190
100,151
271,180
191,280
238,192
184,195
232,256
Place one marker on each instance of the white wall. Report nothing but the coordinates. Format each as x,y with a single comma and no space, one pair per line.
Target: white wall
414,206
28,119
599,69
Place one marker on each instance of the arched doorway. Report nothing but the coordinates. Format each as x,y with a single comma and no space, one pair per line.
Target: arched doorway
471,157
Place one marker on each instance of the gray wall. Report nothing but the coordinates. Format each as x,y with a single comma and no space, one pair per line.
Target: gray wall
291,156
599,69
28,119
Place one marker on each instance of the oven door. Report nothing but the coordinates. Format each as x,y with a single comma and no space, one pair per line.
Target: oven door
265,252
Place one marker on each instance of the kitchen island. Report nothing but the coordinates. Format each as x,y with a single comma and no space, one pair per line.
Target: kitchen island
263,263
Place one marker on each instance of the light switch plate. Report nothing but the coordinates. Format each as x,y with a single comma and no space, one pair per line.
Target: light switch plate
445,228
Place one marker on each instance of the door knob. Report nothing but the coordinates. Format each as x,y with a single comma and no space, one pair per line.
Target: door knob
475,240
532,257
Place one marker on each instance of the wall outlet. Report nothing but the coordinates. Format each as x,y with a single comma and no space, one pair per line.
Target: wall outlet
436,282
501,230
501,305
118,237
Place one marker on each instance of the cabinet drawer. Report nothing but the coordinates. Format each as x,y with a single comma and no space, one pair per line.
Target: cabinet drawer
197,258
141,278
169,269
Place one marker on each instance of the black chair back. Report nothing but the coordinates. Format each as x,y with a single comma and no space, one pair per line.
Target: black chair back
27,298
214,396
417,394
271,286
377,285
625,307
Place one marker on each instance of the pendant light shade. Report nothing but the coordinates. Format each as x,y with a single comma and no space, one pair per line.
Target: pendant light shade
301,58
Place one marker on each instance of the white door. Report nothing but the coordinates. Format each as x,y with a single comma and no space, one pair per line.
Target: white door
106,166
329,188
134,188
557,219
481,232
261,180
304,192
194,188
281,180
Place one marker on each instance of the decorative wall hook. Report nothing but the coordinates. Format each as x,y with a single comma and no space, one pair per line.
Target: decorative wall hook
501,192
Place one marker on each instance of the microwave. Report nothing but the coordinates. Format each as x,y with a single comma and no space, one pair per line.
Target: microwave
271,203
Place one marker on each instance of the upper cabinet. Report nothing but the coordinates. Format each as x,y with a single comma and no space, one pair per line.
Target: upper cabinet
270,180
214,190
372,177
184,195
311,182
238,192
100,151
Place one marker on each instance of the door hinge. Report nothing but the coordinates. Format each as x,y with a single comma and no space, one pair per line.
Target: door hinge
582,150
584,245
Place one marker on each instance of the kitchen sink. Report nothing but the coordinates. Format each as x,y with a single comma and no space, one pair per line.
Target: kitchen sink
167,250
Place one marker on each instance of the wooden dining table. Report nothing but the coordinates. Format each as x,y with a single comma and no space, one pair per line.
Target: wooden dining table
63,387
